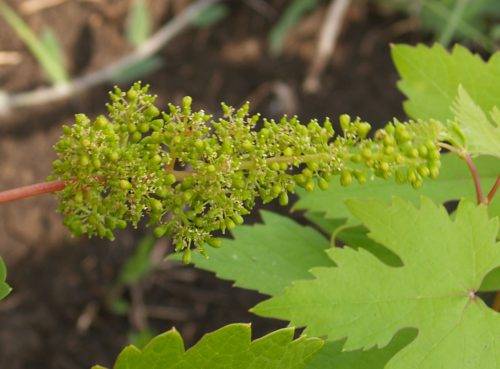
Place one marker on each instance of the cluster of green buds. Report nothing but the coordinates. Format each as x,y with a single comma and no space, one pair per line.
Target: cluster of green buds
190,174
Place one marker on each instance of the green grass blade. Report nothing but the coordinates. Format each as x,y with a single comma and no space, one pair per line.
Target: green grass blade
54,70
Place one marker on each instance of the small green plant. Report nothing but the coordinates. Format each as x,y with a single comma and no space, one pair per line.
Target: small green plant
404,292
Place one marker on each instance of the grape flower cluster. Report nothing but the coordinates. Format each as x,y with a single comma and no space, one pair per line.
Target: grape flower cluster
191,174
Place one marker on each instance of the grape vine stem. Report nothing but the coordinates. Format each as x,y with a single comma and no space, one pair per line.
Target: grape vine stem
481,199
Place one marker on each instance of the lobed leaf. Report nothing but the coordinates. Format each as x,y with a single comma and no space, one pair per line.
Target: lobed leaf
226,348
430,77
444,264
481,136
267,257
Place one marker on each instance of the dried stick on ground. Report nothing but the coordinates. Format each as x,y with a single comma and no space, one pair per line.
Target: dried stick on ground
41,96
326,43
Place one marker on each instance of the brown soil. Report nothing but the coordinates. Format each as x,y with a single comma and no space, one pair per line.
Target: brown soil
56,278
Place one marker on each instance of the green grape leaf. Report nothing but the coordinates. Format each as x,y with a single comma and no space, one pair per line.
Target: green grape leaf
139,23
454,182
430,77
4,287
331,355
267,257
480,135
353,236
444,263
226,348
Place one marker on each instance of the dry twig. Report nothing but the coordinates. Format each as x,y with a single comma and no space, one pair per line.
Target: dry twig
10,58
41,96
29,7
326,43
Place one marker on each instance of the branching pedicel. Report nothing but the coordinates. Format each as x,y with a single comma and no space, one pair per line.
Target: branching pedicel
191,174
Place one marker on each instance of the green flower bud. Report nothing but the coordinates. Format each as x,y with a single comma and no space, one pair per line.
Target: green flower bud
345,178
345,121
264,133
144,127
131,94
389,140
214,242
412,153
313,165
131,127
186,102
170,179
239,183
433,154
125,185
307,173
162,192
384,167
423,151
230,224
400,176
389,150
366,153
79,197
160,231
412,175
360,177
356,158
309,186
188,195
363,129
136,136
416,184
434,172
82,119
423,171
283,200
247,145
402,134
152,112
113,156
323,184
276,189
238,219
186,256
275,166
156,205
121,224
199,144
84,160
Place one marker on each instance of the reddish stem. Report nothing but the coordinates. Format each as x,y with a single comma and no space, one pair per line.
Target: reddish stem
475,176
31,190
493,190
